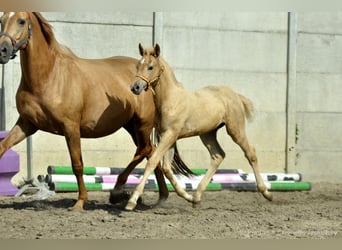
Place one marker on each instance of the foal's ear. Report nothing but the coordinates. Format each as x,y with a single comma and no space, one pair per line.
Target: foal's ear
141,49
156,50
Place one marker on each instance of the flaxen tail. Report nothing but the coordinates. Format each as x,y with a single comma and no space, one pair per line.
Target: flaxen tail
249,107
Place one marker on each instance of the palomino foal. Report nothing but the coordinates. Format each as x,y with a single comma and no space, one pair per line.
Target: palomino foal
181,114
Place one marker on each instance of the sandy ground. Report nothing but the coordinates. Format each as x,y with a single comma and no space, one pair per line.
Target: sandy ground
222,215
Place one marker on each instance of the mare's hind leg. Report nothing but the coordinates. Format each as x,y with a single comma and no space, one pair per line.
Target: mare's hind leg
140,132
117,194
238,135
217,155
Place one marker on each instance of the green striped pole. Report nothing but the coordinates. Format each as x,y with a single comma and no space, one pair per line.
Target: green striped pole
73,187
289,186
151,185
90,170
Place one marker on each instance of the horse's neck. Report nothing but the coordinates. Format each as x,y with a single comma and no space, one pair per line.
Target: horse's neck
37,59
167,86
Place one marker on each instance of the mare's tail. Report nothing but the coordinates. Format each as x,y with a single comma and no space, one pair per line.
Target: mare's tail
248,106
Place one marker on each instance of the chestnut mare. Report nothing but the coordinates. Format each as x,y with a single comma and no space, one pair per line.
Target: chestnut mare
182,114
66,95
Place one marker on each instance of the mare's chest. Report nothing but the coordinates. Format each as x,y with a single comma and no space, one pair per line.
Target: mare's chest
43,114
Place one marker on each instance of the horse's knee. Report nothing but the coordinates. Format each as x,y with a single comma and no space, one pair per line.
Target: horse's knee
77,170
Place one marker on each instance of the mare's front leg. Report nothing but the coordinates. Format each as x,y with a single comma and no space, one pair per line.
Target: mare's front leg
73,139
18,133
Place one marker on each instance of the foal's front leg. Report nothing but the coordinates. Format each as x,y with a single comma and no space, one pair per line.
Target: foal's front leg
166,141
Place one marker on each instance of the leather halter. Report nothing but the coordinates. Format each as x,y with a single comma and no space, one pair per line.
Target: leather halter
18,46
150,82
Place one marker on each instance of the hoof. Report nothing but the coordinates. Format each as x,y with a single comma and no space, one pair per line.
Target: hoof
161,202
118,196
130,206
268,195
78,207
196,205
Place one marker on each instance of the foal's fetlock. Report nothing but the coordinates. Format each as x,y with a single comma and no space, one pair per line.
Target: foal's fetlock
196,201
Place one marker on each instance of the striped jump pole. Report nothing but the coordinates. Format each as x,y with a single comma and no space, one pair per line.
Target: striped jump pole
73,187
288,186
189,186
132,179
273,177
89,170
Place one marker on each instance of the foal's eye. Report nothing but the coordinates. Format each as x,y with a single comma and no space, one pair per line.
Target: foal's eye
150,68
21,22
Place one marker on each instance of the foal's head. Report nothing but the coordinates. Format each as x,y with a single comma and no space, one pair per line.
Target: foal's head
15,34
149,70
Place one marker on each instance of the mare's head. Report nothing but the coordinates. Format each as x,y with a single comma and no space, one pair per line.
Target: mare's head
15,34
149,70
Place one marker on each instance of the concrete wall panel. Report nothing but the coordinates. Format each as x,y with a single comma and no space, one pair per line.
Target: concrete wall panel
246,51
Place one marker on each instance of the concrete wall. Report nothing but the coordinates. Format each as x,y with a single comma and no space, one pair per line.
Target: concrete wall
247,51
319,92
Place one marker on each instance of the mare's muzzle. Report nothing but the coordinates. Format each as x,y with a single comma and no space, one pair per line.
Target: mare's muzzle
6,52
138,87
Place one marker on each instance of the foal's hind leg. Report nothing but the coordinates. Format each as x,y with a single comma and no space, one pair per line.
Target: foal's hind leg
217,155
167,169
238,135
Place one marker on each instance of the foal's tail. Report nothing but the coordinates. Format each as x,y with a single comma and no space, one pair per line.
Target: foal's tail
178,166
248,106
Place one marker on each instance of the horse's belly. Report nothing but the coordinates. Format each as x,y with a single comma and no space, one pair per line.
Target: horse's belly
103,127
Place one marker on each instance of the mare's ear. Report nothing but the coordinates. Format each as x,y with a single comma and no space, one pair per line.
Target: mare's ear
156,50
141,49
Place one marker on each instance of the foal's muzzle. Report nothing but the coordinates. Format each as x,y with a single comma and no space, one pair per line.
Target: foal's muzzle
138,87
6,52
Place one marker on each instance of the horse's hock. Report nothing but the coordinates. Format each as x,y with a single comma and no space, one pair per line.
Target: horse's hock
9,166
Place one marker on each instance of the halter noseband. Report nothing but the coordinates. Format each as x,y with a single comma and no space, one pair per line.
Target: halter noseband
150,82
18,46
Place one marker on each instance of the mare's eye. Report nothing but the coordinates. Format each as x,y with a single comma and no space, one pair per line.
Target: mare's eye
150,68
21,22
